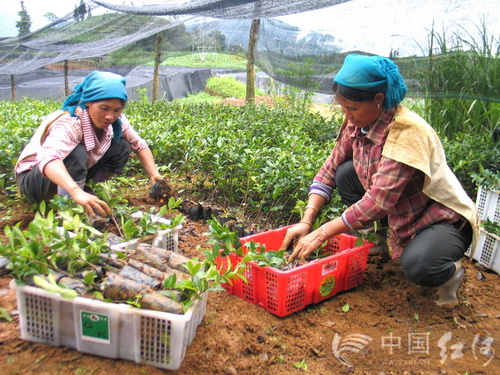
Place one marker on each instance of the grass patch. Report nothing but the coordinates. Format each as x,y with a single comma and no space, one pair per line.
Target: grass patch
201,97
207,60
228,87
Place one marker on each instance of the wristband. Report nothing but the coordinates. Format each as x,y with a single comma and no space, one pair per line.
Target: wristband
312,206
306,222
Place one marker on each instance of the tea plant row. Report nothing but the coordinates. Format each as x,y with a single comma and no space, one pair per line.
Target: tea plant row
258,157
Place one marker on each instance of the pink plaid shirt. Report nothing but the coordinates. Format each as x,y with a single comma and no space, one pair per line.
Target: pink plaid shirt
69,131
392,189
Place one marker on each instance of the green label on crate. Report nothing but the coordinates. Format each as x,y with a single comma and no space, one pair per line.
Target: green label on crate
95,327
327,285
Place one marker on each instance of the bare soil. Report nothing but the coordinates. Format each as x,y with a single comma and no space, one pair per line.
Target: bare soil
393,327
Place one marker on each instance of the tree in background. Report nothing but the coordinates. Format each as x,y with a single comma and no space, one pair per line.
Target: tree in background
51,17
24,23
220,40
80,11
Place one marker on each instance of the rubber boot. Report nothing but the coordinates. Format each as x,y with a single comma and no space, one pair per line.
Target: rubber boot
447,293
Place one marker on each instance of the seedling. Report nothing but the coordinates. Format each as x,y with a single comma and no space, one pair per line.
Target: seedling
302,365
205,277
265,258
486,178
491,227
5,315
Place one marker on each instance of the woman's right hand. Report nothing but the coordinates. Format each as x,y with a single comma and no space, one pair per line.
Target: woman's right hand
91,204
294,234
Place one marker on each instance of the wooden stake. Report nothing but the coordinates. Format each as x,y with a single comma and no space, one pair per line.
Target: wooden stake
252,43
66,78
156,74
13,87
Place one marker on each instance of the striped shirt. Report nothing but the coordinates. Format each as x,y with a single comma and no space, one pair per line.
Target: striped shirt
392,189
68,131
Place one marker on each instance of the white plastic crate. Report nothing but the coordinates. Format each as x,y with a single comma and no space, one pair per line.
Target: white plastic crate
106,329
166,239
488,204
487,251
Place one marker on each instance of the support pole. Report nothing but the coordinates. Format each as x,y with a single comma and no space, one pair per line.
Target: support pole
156,74
252,42
66,78
13,87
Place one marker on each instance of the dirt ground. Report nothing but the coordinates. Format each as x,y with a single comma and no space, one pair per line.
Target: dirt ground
392,327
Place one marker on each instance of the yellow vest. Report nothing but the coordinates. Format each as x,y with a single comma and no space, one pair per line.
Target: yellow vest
412,141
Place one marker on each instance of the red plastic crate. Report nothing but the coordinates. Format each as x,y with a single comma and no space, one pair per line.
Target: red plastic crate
284,292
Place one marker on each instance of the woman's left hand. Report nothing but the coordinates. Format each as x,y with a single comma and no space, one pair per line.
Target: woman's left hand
307,244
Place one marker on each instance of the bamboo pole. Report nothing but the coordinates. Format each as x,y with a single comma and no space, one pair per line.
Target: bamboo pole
13,87
66,78
156,74
252,42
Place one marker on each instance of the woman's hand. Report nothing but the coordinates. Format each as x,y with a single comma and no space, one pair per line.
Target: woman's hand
91,204
296,232
56,171
306,245
154,179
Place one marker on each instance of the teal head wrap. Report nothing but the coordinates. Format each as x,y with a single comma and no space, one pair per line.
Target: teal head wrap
98,86
373,74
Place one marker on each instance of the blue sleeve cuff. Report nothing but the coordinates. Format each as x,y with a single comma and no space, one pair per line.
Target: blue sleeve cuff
321,189
345,222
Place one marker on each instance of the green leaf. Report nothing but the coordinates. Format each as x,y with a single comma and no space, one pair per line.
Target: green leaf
4,314
302,365
44,284
345,308
163,210
98,295
89,278
42,207
68,293
170,282
52,279
193,267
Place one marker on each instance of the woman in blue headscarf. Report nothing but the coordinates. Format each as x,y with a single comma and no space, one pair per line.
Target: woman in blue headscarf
388,165
89,139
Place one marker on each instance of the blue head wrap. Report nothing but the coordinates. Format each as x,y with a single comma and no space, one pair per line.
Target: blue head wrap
98,86
373,74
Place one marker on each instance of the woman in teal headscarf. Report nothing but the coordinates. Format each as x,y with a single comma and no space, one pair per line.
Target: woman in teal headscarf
89,139
389,166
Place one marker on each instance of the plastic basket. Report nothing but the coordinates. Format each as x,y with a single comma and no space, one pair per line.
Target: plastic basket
284,292
487,251
166,239
105,329
488,204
